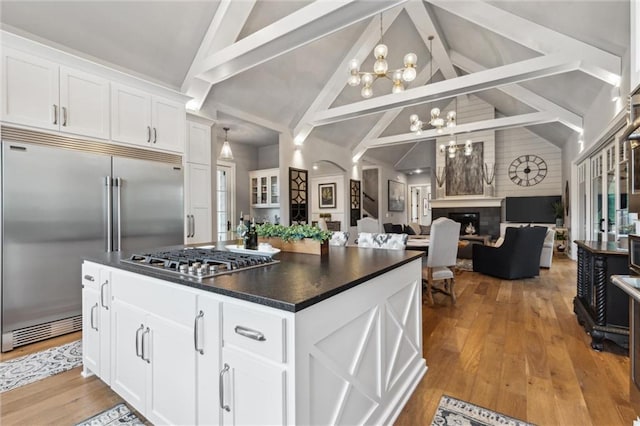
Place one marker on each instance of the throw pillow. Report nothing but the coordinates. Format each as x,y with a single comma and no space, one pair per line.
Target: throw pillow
396,229
425,229
416,227
408,230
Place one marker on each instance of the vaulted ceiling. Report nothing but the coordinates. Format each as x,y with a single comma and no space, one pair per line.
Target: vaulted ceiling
265,66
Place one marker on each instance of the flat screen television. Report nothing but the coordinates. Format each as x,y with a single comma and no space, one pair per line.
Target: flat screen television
531,209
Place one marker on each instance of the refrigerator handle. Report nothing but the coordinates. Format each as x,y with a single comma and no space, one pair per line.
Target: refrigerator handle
119,221
109,215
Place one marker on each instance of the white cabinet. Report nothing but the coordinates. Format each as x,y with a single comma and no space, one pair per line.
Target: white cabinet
197,204
264,188
198,143
254,370
96,327
153,348
140,118
41,93
207,343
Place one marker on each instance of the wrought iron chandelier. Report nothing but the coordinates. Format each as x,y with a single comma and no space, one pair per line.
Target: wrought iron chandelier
435,121
381,70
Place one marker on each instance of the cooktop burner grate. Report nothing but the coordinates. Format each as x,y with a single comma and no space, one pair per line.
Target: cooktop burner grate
198,263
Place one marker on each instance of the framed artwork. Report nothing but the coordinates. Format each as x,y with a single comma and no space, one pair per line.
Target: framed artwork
327,195
396,196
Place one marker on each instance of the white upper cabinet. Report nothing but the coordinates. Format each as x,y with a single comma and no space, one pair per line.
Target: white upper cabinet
43,94
198,143
84,103
142,119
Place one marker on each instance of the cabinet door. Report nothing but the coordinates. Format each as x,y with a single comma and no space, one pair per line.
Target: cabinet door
91,331
30,90
104,300
130,115
168,124
253,190
171,378
199,196
84,103
254,390
129,369
198,143
208,360
274,191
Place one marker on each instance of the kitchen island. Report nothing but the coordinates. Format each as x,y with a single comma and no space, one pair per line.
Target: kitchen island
331,339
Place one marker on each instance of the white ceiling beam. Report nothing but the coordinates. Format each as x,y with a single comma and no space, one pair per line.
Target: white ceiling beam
507,74
308,24
596,62
427,26
387,118
530,119
224,29
332,89
526,96
251,118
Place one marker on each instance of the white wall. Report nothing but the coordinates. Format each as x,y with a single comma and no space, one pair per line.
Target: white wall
634,47
245,158
513,143
268,157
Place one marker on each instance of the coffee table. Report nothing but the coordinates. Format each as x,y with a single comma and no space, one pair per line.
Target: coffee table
466,252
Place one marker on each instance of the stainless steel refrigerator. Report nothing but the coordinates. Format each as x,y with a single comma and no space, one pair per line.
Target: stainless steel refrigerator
61,204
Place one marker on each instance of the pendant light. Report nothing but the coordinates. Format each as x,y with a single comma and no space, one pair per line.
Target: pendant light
225,153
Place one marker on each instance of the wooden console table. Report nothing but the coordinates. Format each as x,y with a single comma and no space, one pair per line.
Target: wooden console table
601,307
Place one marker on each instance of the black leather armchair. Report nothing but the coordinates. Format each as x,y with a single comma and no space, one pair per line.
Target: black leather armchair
517,257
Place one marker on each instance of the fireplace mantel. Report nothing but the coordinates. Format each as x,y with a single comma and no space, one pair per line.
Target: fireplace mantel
452,202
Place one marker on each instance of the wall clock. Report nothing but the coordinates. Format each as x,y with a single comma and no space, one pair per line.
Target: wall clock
527,170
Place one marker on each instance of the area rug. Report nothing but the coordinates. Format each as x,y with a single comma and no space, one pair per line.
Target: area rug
120,415
30,368
453,411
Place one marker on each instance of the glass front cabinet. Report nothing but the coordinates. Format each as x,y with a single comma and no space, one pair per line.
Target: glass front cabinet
264,188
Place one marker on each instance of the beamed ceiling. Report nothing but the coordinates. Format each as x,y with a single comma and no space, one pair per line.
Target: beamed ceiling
264,67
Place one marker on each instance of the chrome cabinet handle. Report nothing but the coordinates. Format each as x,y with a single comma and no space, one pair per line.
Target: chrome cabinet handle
102,295
89,278
250,333
221,387
94,307
138,349
196,332
193,226
146,332
148,134
55,114
188,226
64,116
155,135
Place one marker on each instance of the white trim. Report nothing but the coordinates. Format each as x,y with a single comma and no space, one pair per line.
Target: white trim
451,202
232,195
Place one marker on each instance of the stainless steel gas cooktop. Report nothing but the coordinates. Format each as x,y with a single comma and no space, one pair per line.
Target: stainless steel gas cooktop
198,263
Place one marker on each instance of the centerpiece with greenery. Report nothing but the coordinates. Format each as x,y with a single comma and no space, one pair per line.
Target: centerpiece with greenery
295,238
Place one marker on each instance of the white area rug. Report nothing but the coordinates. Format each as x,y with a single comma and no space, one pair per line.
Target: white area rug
452,411
120,415
33,367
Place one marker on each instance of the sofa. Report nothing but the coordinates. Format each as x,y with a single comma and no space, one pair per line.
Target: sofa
413,229
546,256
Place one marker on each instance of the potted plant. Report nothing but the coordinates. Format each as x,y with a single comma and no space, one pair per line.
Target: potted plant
558,210
295,238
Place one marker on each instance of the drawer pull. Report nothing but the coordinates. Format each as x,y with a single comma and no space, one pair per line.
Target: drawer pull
251,334
89,278
102,287
138,350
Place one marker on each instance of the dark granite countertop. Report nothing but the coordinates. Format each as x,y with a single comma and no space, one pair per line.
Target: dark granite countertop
297,282
603,247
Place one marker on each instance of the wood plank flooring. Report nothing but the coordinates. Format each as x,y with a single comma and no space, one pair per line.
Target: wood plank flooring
511,346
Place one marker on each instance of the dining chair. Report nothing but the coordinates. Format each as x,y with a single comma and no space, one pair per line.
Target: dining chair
339,238
367,224
443,250
382,241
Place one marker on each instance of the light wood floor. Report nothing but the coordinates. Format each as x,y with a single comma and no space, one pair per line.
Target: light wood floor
511,346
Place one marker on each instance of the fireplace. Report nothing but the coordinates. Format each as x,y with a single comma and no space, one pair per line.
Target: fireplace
466,219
